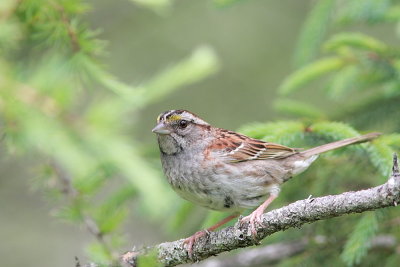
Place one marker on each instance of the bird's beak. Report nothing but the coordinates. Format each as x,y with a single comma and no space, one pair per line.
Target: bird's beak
161,129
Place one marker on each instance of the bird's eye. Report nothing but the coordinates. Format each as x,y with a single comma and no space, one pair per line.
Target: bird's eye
183,124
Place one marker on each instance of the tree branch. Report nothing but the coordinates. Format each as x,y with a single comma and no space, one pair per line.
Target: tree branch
291,216
72,195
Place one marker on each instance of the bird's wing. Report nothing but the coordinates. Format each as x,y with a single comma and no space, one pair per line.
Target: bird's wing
237,148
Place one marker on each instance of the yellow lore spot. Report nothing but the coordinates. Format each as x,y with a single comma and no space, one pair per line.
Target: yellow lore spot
174,117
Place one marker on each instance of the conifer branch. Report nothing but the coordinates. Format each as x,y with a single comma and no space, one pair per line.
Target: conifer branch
70,30
291,216
72,195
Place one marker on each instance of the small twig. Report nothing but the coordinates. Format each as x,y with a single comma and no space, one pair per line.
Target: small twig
94,230
68,190
64,178
71,31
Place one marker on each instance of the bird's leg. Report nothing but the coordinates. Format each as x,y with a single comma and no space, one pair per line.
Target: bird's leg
190,240
255,216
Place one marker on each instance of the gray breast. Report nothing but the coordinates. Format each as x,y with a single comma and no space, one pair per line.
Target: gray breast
211,188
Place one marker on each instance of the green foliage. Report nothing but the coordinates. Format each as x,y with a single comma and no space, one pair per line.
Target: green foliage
149,260
313,32
393,260
333,130
361,77
392,140
284,132
310,73
99,253
355,41
369,11
359,241
343,81
360,61
381,156
113,211
298,109
392,14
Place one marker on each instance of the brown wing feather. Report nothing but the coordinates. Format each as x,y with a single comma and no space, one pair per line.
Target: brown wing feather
237,148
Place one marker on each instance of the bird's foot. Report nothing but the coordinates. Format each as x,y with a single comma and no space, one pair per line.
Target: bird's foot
255,216
189,242
253,219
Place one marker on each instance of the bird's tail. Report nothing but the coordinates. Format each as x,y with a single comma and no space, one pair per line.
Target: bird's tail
341,143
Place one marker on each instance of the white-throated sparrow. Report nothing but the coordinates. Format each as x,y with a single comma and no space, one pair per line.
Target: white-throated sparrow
223,170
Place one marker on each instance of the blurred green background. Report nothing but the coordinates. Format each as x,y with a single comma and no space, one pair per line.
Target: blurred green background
254,53
77,147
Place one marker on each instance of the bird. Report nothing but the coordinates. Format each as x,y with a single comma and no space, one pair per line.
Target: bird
227,171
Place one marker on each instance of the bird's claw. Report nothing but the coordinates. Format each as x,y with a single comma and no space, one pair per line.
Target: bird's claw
253,219
189,242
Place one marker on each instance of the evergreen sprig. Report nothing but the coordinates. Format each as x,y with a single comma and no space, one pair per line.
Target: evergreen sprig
360,73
